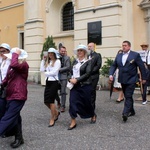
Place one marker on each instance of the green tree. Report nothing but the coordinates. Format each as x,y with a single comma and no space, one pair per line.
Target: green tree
47,44
106,67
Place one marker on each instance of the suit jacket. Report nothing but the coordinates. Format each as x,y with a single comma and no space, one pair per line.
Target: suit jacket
65,69
96,64
128,74
85,73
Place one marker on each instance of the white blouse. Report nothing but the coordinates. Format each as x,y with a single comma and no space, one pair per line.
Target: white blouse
76,68
4,68
51,72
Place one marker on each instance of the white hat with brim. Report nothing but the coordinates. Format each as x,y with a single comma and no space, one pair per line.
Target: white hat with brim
83,47
5,45
23,54
53,50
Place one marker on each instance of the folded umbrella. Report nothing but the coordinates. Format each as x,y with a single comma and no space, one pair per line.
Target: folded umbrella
111,87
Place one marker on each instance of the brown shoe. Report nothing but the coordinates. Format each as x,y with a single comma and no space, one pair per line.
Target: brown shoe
62,109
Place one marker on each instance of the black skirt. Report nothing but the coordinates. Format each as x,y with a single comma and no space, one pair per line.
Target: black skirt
50,92
80,102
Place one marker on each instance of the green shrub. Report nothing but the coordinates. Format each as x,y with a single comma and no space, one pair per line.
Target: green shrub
47,44
105,69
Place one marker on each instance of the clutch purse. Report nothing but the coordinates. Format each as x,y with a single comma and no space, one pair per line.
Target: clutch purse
69,85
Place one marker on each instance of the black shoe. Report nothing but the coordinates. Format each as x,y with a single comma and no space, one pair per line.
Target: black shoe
71,128
125,117
51,125
93,120
118,101
17,143
4,136
57,116
131,114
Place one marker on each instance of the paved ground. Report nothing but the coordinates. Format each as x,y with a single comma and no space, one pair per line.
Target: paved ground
109,132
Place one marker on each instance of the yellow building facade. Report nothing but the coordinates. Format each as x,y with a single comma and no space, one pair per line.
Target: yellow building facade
26,23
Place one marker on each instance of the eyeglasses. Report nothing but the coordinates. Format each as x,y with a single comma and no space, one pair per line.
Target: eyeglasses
80,50
144,46
3,51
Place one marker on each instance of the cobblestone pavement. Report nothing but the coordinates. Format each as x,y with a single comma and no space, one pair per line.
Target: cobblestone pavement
109,132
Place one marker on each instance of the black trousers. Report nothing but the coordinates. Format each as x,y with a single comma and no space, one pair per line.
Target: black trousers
128,90
93,94
11,119
3,103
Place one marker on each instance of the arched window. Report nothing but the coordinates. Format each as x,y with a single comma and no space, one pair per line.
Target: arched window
68,17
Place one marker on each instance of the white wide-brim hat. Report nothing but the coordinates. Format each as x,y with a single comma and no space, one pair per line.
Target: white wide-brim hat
83,47
22,55
5,45
53,50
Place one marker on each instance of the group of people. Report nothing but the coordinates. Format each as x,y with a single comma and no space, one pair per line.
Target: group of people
82,73
13,92
131,66
145,56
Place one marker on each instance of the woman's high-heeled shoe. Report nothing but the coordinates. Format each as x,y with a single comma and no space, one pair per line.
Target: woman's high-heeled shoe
71,128
57,116
51,125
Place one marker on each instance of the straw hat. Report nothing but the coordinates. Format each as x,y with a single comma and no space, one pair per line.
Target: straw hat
144,44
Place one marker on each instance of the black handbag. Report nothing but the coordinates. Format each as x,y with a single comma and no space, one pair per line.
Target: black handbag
59,83
2,89
3,92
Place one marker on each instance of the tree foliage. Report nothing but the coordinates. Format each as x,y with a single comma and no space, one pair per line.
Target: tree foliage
106,67
47,44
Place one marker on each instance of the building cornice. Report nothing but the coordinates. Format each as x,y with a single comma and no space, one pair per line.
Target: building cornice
98,8
64,34
34,21
145,4
11,6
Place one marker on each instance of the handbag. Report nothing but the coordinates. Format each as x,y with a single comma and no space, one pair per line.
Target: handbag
3,92
69,85
59,83
2,89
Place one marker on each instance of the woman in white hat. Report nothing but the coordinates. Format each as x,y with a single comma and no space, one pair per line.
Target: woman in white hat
51,69
80,94
16,95
4,64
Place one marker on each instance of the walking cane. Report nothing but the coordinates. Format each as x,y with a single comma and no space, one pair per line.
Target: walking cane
141,85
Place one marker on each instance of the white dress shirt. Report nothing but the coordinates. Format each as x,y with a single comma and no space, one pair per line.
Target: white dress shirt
4,68
76,68
124,57
51,72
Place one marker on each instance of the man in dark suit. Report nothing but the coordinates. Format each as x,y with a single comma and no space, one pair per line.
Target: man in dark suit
96,65
63,74
127,63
